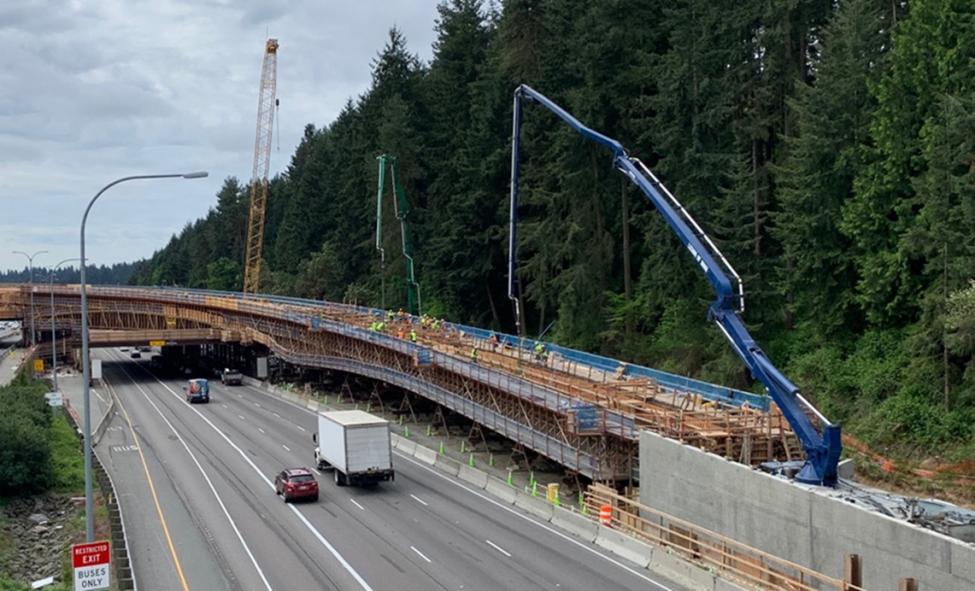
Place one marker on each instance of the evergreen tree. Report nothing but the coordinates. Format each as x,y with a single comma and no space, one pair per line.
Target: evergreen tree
817,274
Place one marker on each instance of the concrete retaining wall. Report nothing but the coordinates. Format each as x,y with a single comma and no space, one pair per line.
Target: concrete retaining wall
796,522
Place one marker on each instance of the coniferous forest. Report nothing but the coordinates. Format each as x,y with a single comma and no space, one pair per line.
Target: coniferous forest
827,145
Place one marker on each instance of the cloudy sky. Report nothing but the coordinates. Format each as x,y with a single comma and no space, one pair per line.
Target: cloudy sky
92,90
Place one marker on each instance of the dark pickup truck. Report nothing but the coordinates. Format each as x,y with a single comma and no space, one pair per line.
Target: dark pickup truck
231,377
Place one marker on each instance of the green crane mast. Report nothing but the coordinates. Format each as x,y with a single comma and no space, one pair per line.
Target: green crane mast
402,209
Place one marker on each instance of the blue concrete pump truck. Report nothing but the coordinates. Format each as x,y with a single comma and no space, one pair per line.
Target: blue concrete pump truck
822,447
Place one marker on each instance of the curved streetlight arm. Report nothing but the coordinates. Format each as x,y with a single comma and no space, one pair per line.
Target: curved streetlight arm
85,362
30,272
54,332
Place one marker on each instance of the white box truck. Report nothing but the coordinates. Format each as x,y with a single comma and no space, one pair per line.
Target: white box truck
96,371
356,445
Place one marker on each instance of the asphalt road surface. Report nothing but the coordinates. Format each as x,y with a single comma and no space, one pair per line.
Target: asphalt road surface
196,488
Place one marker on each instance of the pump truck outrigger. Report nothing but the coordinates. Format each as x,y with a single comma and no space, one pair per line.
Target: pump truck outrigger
822,449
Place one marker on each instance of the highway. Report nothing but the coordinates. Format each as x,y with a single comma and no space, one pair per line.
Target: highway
196,488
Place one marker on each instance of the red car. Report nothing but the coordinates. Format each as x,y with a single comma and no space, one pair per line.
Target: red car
296,483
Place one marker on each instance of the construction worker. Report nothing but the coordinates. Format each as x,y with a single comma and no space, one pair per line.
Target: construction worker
539,351
474,355
381,326
413,336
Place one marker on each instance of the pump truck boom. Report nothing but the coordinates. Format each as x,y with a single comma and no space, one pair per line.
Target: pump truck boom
822,449
402,209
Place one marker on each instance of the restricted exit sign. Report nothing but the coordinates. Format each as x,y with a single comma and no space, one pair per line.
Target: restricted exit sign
92,565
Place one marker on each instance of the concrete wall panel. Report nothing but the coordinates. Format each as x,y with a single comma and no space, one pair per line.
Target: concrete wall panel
796,522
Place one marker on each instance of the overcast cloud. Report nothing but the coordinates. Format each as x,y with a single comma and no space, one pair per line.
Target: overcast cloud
92,90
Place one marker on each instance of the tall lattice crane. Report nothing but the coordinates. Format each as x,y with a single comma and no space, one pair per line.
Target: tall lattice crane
266,103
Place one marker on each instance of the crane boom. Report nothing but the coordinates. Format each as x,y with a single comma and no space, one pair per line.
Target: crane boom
266,102
822,449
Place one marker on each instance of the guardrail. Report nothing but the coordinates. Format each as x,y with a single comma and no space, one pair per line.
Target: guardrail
121,557
711,550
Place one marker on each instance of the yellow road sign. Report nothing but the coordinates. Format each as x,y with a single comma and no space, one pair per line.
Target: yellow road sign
38,366
157,343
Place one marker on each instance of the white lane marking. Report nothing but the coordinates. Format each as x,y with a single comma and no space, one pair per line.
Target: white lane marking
498,548
328,546
357,504
315,470
300,427
419,500
257,404
223,405
216,496
242,417
286,448
277,415
261,430
491,500
420,554
565,537
99,396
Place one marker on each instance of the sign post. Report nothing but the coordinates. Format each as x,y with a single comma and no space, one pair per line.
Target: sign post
92,565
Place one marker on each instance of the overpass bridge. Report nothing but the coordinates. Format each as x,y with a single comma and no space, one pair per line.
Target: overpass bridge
581,410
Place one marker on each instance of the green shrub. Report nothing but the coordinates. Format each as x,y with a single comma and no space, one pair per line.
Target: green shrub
25,451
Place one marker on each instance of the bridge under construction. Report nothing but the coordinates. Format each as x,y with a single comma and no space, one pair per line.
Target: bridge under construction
582,411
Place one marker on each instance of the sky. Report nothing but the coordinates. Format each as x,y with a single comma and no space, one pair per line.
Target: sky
93,90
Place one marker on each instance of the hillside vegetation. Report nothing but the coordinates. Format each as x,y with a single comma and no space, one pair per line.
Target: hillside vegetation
829,147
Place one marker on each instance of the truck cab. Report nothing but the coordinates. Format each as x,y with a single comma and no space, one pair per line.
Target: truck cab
197,390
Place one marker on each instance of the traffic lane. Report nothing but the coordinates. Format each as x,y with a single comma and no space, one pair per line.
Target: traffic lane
453,546
464,520
150,548
186,505
358,547
287,553
399,561
455,566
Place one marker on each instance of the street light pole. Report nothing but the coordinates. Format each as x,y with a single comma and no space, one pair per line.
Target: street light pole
54,332
30,266
85,361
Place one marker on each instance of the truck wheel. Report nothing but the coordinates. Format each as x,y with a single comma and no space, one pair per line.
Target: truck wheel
339,478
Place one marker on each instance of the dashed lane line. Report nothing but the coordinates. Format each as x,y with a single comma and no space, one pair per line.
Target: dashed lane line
206,477
498,548
420,554
314,531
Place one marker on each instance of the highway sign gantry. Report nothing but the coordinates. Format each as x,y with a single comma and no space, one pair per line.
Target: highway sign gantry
92,565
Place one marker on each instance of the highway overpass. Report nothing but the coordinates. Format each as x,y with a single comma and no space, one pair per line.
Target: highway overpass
581,411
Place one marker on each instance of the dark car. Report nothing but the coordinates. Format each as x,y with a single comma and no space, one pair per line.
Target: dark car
135,355
197,390
296,483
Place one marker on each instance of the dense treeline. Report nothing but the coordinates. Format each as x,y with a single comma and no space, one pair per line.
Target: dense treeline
117,274
829,147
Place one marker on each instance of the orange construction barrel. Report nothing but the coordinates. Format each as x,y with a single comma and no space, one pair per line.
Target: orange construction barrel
606,515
